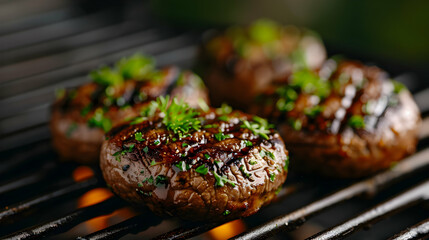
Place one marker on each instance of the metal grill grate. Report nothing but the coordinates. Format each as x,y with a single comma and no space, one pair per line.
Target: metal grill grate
57,44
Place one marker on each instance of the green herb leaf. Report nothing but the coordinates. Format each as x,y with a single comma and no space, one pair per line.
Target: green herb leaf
107,76
206,156
248,143
264,31
202,169
357,122
86,110
286,166
157,142
145,149
100,121
272,177
309,82
224,109
221,180
314,111
136,67
138,137
178,116
148,180
398,86
227,212
259,127
161,179
252,162
245,173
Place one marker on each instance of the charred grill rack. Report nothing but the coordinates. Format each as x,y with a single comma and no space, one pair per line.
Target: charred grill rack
56,45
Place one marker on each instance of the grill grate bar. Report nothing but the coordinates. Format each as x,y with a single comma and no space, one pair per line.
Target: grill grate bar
193,230
56,30
67,222
28,180
404,200
133,225
189,231
10,213
418,231
369,186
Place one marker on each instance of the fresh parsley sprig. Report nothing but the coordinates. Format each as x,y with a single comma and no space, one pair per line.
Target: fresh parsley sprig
258,126
178,116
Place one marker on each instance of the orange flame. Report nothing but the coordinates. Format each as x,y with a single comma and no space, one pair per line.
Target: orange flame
227,230
95,196
81,173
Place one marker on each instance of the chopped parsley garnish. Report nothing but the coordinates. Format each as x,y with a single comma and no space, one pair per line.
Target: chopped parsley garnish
138,136
314,111
122,152
284,105
295,123
100,121
278,190
185,144
309,82
206,156
153,163
286,166
398,86
148,180
264,31
202,169
259,126
220,136
253,162
227,212
136,67
221,180
272,177
161,179
211,126
182,166
145,149
224,118
269,154
157,142
178,116
224,109
203,105
86,110
73,126
287,98
248,143
356,121
107,76
245,173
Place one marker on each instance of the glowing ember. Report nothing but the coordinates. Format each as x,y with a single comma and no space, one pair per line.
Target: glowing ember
227,230
90,198
82,172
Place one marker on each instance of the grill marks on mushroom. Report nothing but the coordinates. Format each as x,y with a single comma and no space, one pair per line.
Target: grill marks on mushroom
81,116
201,176
364,123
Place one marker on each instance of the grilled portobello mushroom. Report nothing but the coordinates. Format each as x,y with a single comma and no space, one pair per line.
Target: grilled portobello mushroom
241,62
81,116
344,120
215,165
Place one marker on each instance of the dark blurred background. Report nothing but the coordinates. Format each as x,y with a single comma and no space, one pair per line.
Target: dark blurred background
391,34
